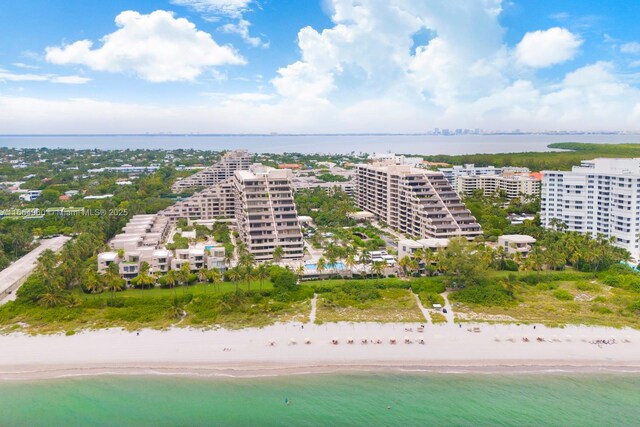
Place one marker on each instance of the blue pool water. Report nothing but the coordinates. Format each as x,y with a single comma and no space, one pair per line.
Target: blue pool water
336,266
209,247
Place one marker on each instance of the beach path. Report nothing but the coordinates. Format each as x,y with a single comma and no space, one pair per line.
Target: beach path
314,302
447,305
424,311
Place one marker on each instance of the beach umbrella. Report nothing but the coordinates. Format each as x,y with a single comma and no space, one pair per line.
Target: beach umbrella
407,340
350,340
392,340
364,340
378,340
293,341
307,341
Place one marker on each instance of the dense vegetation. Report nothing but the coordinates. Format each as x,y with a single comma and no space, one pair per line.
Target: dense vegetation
573,153
326,208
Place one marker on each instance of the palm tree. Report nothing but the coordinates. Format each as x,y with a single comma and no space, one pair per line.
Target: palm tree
378,268
248,273
404,264
177,308
113,284
215,277
350,261
46,264
300,270
235,275
321,265
183,276
203,275
332,260
278,254
262,273
92,282
53,297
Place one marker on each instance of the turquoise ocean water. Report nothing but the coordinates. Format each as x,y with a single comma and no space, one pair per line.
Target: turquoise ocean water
327,400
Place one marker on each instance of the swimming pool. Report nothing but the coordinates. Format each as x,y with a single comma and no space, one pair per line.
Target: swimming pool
329,267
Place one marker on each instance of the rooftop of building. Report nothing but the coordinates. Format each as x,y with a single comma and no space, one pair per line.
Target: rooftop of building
518,238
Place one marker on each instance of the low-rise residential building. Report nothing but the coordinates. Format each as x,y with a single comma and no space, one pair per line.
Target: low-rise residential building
516,244
408,247
452,173
105,259
30,195
512,185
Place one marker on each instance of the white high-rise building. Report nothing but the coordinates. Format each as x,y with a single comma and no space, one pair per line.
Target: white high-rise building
219,172
600,196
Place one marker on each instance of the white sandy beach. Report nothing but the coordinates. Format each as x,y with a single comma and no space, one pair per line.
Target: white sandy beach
247,352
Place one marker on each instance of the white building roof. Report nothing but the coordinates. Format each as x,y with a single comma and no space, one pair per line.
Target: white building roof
518,238
108,256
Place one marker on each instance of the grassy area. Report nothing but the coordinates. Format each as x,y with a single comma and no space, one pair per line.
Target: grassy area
437,318
384,305
202,305
557,303
552,298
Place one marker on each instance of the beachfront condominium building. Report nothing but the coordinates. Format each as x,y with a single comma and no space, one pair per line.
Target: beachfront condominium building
261,202
600,196
217,201
452,173
414,201
266,214
217,173
512,185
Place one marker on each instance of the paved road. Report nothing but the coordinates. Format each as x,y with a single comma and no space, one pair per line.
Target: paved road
13,276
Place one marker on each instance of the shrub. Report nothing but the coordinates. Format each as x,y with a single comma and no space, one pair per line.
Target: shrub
32,289
586,286
488,295
545,286
283,279
601,309
563,294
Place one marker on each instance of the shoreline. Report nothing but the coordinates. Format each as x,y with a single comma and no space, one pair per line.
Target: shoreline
501,368
248,353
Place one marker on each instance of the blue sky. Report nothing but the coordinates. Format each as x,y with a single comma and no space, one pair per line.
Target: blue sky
327,66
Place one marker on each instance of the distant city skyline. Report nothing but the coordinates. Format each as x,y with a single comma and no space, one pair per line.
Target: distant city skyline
333,66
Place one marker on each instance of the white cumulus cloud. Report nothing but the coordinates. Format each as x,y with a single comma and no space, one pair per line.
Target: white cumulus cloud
232,8
213,10
52,78
156,47
631,47
540,49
